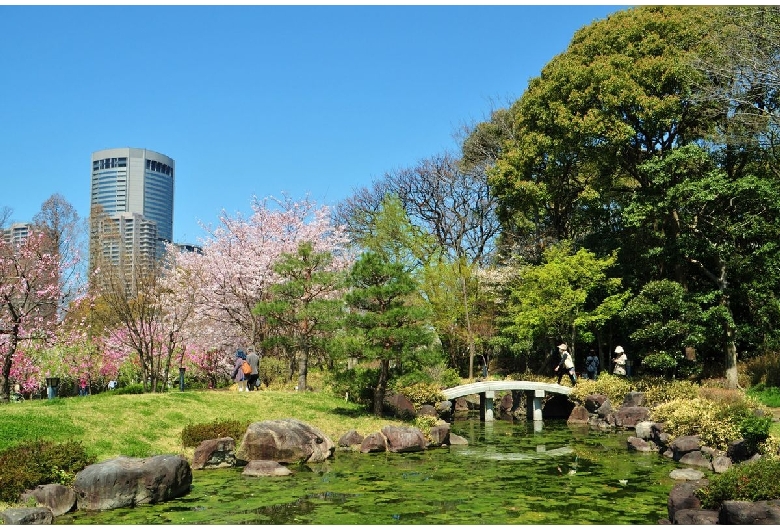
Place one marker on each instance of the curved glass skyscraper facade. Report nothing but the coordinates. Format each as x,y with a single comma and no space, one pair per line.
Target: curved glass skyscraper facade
134,188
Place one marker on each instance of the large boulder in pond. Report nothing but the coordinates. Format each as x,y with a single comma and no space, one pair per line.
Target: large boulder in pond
265,468
125,482
287,441
215,453
58,498
374,443
683,497
404,439
20,516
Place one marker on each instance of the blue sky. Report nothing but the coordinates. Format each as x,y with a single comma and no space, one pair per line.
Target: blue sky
256,100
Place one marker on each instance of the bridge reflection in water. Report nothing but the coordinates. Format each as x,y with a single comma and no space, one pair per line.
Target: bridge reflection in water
534,391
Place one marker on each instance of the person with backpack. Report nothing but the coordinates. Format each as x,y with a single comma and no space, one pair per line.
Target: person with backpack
238,370
592,365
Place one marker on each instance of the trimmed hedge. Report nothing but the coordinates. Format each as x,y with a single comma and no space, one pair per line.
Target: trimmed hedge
193,434
24,467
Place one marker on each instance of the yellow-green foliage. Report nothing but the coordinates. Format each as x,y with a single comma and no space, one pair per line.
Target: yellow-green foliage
422,393
612,386
665,391
424,423
713,422
770,447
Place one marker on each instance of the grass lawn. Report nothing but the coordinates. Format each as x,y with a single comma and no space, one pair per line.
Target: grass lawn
110,425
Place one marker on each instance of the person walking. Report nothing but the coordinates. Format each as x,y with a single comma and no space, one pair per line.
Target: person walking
238,372
592,365
254,363
620,361
566,364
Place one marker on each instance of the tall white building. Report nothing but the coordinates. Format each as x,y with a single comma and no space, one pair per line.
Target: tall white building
132,201
16,233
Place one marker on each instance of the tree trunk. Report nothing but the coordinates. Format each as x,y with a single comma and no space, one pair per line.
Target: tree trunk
381,388
303,370
732,380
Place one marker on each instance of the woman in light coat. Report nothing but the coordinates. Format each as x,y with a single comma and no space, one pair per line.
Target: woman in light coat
620,361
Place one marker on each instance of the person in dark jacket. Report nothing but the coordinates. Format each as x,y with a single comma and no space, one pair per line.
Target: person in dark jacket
238,373
254,363
592,365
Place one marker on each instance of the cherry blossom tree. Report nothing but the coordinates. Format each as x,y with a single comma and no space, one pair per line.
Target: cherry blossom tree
29,292
237,269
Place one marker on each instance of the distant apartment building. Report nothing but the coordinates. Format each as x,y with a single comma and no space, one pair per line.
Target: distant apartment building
16,233
131,206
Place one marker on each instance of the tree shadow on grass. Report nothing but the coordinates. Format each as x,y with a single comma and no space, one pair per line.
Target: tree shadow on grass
351,413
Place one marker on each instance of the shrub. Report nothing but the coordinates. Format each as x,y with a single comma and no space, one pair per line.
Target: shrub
755,430
764,369
135,388
193,434
751,481
612,386
684,417
421,393
659,362
665,391
23,467
424,423
273,372
355,383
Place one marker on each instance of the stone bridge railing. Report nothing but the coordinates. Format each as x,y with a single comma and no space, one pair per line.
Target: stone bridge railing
534,393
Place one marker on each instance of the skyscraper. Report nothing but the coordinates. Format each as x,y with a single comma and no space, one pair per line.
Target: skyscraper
131,205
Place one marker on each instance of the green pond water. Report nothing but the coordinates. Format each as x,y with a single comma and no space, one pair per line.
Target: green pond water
508,474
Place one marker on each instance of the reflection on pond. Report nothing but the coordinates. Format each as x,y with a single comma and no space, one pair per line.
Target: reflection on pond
508,474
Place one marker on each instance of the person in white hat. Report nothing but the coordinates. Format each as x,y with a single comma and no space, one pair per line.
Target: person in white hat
620,361
566,364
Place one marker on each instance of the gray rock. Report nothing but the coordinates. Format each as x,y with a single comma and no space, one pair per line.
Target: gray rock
440,434
685,444
350,438
457,440
594,401
638,444
644,430
374,443
738,450
215,453
404,439
605,410
20,516
579,415
428,410
125,481
287,441
686,474
746,512
721,464
444,410
634,399
58,498
400,406
683,497
265,468
696,458
689,516
629,416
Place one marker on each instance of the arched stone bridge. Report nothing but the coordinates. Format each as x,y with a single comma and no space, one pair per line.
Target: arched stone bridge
534,394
